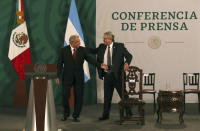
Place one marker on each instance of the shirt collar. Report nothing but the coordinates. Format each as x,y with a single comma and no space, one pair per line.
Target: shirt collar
111,45
72,47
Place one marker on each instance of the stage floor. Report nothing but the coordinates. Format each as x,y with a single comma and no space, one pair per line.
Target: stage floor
12,119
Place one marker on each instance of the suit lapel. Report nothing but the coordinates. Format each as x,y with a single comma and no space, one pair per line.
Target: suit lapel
70,52
77,53
103,51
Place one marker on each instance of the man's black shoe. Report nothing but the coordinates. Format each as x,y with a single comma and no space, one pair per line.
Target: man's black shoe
76,119
64,118
129,113
103,118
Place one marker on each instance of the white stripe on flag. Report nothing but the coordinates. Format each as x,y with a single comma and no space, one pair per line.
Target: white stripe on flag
72,31
13,49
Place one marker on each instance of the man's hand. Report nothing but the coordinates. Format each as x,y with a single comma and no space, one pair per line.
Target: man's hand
126,67
57,80
103,66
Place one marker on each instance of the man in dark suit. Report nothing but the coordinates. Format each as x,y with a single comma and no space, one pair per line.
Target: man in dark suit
73,56
111,54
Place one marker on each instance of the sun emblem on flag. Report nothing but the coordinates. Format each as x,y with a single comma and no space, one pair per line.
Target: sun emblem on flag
20,39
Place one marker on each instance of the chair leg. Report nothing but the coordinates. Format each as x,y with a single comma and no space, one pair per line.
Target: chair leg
184,102
143,120
158,117
141,113
199,100
121,112
159,114
181,118
154,102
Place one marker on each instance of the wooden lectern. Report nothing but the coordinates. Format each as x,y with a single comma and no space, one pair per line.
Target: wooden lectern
40,73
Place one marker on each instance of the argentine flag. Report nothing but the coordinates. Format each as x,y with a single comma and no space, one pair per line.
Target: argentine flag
74,28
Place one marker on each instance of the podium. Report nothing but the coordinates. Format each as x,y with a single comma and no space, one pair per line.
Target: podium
41,113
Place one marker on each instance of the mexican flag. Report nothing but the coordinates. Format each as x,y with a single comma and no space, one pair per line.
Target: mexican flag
19,50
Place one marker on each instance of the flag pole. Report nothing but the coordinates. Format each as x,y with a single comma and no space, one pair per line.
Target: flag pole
20,93
20,96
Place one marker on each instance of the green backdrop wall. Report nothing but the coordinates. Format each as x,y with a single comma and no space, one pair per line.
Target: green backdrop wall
46,23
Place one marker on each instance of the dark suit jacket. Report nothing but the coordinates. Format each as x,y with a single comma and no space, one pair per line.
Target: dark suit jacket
73,69
118,55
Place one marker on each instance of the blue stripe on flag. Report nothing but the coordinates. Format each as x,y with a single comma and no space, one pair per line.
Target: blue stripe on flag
85,78
73,16
65,43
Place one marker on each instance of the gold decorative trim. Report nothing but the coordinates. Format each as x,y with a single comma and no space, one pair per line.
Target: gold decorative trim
20,13
20,21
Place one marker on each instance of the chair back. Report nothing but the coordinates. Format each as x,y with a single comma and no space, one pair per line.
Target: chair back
133,81
149,80
190,80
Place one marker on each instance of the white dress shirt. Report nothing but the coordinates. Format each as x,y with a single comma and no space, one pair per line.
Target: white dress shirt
72,49
106,53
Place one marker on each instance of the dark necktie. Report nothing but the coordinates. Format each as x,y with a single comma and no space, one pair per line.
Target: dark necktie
74,54
108,57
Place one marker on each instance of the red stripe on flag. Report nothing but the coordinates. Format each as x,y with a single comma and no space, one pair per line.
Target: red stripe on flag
19,61
22,8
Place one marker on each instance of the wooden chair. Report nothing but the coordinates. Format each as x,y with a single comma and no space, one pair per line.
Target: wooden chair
149,86
191,85
133,80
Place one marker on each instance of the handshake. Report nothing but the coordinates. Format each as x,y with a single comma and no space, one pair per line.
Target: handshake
104,66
